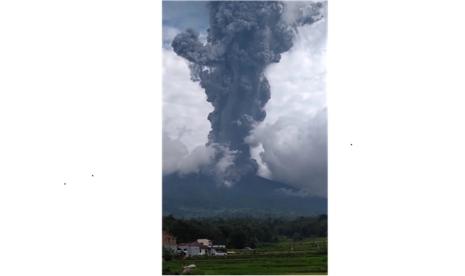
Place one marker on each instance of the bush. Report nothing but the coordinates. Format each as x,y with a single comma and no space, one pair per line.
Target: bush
167,254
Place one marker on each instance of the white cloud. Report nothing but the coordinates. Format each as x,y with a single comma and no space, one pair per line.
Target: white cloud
185,106
297,10
291,143
176,157
185,124
173,152
169,33
193,162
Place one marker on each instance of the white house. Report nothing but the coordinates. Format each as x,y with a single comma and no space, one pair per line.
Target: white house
190,249
200,248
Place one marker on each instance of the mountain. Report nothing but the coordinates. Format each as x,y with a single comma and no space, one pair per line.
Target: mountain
197,195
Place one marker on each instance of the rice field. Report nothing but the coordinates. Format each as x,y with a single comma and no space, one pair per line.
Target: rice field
308,256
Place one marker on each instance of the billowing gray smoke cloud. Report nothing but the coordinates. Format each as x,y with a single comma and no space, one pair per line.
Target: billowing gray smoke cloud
243,39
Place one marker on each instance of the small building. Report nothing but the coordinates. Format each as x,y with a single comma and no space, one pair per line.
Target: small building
201,247
169,241
219,250
190,249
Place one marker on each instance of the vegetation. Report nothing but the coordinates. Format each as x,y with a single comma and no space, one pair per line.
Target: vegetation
279,245
307,256
245,232
167,254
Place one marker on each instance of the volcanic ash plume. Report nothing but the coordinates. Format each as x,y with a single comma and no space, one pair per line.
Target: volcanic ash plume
243,39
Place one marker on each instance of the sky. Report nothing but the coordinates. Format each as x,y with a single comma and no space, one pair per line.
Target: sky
290,145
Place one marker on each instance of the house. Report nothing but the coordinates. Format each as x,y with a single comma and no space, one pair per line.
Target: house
169,241
190,249
201,247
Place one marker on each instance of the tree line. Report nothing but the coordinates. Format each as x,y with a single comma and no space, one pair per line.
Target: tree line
245,231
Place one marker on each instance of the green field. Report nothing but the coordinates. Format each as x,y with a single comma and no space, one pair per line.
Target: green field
308,256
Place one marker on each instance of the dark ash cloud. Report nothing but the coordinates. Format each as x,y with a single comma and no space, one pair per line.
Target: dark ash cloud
243,39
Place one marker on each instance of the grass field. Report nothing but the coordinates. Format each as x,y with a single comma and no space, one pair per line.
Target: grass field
285,257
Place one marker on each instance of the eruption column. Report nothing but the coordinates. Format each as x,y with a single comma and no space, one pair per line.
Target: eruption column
243,39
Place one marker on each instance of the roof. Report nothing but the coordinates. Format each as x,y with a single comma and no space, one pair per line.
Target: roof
191,244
